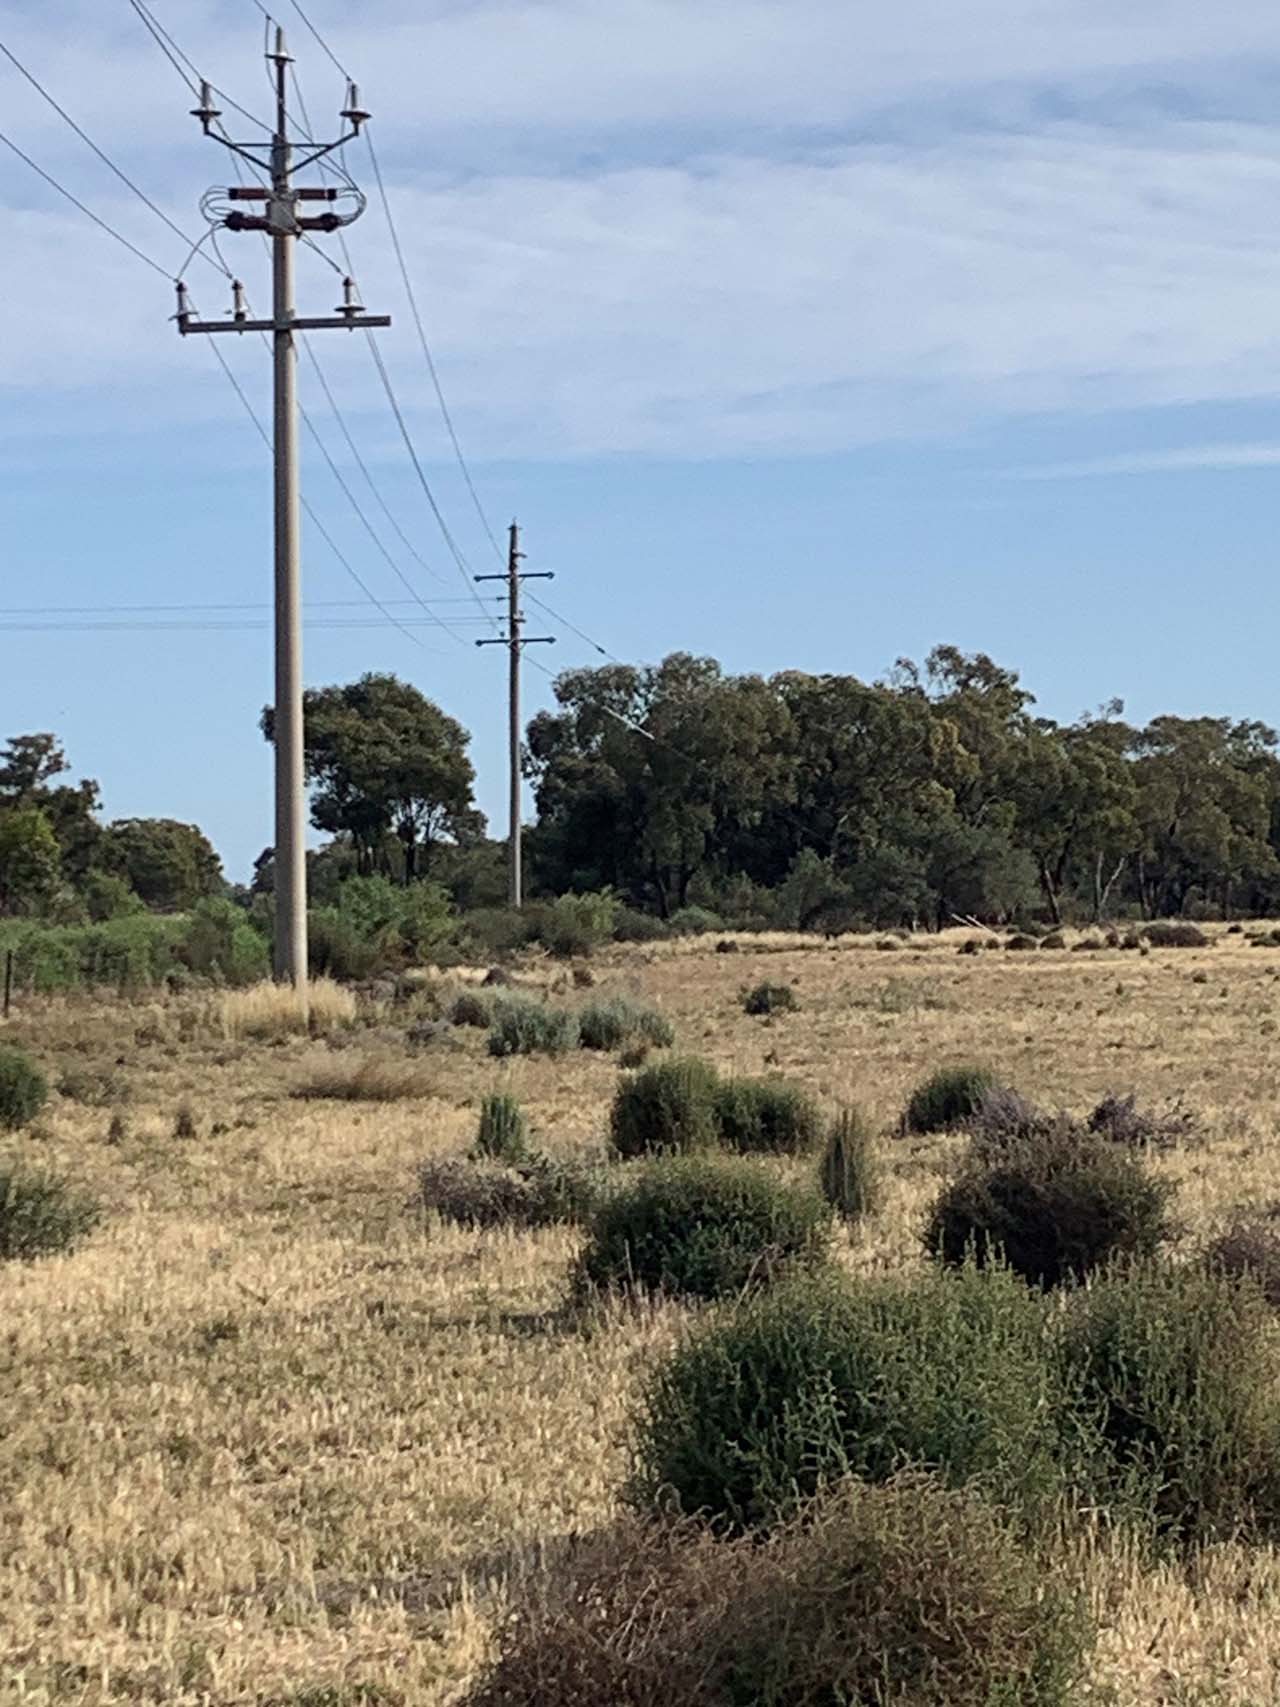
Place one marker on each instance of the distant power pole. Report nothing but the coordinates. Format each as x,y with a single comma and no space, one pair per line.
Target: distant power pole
515,641
284,223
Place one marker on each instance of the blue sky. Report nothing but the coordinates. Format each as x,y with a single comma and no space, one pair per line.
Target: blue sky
800,333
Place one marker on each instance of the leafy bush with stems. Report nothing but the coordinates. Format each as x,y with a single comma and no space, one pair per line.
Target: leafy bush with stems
535,1192
670,1106
1249,1249
522,1026
769,998
631,925
1123,1122
1174,933
695,921
1004,1117
908,1595
503,1135
769,1116
1055,1206
946,1100
24,1090
849,1173
41,1215
574,925
702,1227
1177,1372
616,1022
472,1008
823,1377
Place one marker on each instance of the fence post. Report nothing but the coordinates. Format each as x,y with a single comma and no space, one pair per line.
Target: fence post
8,980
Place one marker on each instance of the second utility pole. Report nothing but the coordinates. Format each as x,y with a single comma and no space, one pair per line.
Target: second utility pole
513,640
284,223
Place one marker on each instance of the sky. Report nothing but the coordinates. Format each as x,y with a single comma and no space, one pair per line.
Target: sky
802,334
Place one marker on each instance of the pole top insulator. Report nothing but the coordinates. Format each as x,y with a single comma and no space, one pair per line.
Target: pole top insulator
239,309
282,56
183,316
351,305
206,112
353,112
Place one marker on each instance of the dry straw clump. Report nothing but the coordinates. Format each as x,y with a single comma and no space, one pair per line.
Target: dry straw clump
266,1011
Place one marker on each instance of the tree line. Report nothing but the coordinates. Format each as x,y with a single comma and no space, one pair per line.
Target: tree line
816,802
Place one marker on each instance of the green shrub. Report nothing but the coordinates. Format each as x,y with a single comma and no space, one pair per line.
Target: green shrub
574,925
823,1378
614,1023
1178,1371
850,1172
522,1026
473,1008
1249,1250
766,1115
1174,933
702,1227
631,925
695,921
909,1595
24,1090
337,949
669,1106
219,942
504,1133
1054,1206
947,1099
769,999
41,1215
536,1192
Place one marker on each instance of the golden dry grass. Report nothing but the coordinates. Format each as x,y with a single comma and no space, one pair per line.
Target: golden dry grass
267,1011
269,1435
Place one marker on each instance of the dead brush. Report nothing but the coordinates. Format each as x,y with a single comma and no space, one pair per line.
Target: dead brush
367,1079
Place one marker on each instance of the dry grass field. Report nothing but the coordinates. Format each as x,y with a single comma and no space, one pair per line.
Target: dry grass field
270,1438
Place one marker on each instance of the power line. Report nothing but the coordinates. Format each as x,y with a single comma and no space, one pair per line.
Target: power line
321,43
573,629
191,75
86,211
171,609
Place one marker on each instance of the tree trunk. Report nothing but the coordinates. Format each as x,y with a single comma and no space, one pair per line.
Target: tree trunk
1050,892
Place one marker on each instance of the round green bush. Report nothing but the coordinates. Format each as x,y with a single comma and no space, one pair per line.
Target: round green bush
522,1026
909,1595
824,1377
1177,1421
766,1116
24,1090
703,1227
669,1106
1054,1205
615,1022
41,1215
503,1134
947,1099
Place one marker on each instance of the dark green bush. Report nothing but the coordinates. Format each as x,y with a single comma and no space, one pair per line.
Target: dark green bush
1054,1206
41,1215
630,925
1178,1371
24,1090
522,1026
769,999
574,925
337,949
472,1008
616,1022
1174,933
669,1106
695,921
822,1378
766,1116
909,1595
504,1133
1249,1249
850,1172
947,1099
703,1227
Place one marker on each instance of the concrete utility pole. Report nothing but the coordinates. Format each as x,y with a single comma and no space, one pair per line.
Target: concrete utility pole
514,640
284,223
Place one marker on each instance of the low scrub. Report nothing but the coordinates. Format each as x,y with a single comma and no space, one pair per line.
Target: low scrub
670,1106
41,1215
504,1132
1123,1122
702,1227
472,1008
1003,1117
1249,1250
769,999
908,1595
268,1011
1177,1371
1055,1206
24,1090
364,1079
522,1026
766,1116
822,1378
617,1023
850,1173
536,1192
1174,933
946,1100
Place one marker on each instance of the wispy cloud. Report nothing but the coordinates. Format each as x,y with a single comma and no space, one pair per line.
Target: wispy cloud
1193,458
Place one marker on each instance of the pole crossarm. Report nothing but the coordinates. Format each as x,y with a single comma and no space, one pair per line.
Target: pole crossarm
295,325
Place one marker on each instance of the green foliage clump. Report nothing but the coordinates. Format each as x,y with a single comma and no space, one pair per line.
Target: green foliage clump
219,942
849,1173
522,1026
695,921
1249,1250
575,925
473,1008
534,1192
766,1115
1177,1371
769,998
823,1378
24,1090
703,1227
337,948
504,1132
1055,1206
617,1022
1174,933
41,1215
910,1595
669,1106
631,925
946,1100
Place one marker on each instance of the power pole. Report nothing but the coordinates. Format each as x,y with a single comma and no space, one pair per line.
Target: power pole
515,640
284,223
